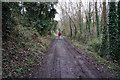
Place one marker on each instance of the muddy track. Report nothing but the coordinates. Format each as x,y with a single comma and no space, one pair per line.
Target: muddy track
64,60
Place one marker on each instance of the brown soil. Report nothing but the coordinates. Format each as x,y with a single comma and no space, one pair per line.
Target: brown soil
64,60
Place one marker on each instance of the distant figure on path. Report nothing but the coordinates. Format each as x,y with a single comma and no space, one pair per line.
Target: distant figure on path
59,35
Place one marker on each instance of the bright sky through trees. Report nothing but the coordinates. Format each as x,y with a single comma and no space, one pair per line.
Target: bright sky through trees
85,4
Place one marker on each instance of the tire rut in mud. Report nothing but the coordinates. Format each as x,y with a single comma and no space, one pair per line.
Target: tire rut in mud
64,60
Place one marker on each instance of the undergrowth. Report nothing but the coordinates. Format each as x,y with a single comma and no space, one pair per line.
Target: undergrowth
110,65
24,51
94,45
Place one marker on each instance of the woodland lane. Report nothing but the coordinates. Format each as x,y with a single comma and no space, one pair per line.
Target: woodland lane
64,60
28,27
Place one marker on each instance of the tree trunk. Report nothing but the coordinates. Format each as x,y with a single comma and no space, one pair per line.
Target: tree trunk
118,35
89,19
70,27
80,19
112,31
97,19
103,47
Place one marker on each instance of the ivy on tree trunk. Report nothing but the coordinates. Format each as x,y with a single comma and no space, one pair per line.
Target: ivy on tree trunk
112,31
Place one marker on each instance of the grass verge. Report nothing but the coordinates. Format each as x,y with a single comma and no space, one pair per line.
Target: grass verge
114,68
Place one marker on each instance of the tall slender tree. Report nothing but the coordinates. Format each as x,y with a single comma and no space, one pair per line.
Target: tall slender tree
80,17
70,27
89,18
97,19
93,23
103,47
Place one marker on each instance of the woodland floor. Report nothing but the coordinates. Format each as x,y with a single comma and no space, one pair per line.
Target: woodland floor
64,60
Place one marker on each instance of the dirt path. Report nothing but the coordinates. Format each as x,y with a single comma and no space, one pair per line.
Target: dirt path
65,60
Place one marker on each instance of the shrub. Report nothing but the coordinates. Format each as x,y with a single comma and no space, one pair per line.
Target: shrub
94,44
